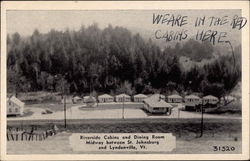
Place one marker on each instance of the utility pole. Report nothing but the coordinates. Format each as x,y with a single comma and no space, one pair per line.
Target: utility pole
64,104
123,108
201,134
65,123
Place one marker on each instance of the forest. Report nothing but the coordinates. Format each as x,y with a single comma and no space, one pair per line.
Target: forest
113,60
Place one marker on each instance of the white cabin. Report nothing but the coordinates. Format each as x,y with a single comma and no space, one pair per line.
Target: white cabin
139,97
192,100
210,100
88,99
15,106
105,98
174,99
122,98
76,99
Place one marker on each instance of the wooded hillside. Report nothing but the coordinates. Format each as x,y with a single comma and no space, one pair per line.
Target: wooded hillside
114,60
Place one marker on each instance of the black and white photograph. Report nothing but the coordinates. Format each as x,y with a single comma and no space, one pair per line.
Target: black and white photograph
125,81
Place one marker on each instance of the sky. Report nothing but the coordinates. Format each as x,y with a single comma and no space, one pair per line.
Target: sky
25,22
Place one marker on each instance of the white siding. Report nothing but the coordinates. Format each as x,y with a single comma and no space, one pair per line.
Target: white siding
14,109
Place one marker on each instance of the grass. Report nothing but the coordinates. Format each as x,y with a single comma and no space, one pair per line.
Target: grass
51,106
185,128
110,106
153,114
27,112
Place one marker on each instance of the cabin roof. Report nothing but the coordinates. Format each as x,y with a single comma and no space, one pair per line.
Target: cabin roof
77,97
192,97
16,101
210,97
140,95
105,96
89,99
157,96
122,95
174,96
157,103
230,97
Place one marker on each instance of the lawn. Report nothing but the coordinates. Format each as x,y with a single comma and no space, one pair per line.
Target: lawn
112,106
184,128
51,106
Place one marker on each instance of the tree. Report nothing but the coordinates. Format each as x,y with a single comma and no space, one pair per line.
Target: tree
171,86
125,88
193,78
94,72
113,60
223,72
215,89
16,38
62,85
148,89
139,85
196,50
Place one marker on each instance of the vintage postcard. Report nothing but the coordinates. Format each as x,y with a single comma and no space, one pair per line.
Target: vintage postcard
124,80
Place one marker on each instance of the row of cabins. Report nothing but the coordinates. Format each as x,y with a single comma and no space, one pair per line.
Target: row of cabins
155,103
158,103
191,103
106,98
190,100
121,98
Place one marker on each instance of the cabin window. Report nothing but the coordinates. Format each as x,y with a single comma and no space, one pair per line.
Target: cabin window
16,109
10,110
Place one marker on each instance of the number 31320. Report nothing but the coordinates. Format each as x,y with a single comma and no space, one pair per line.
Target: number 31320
223,148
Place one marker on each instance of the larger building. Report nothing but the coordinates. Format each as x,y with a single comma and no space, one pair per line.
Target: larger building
153,105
